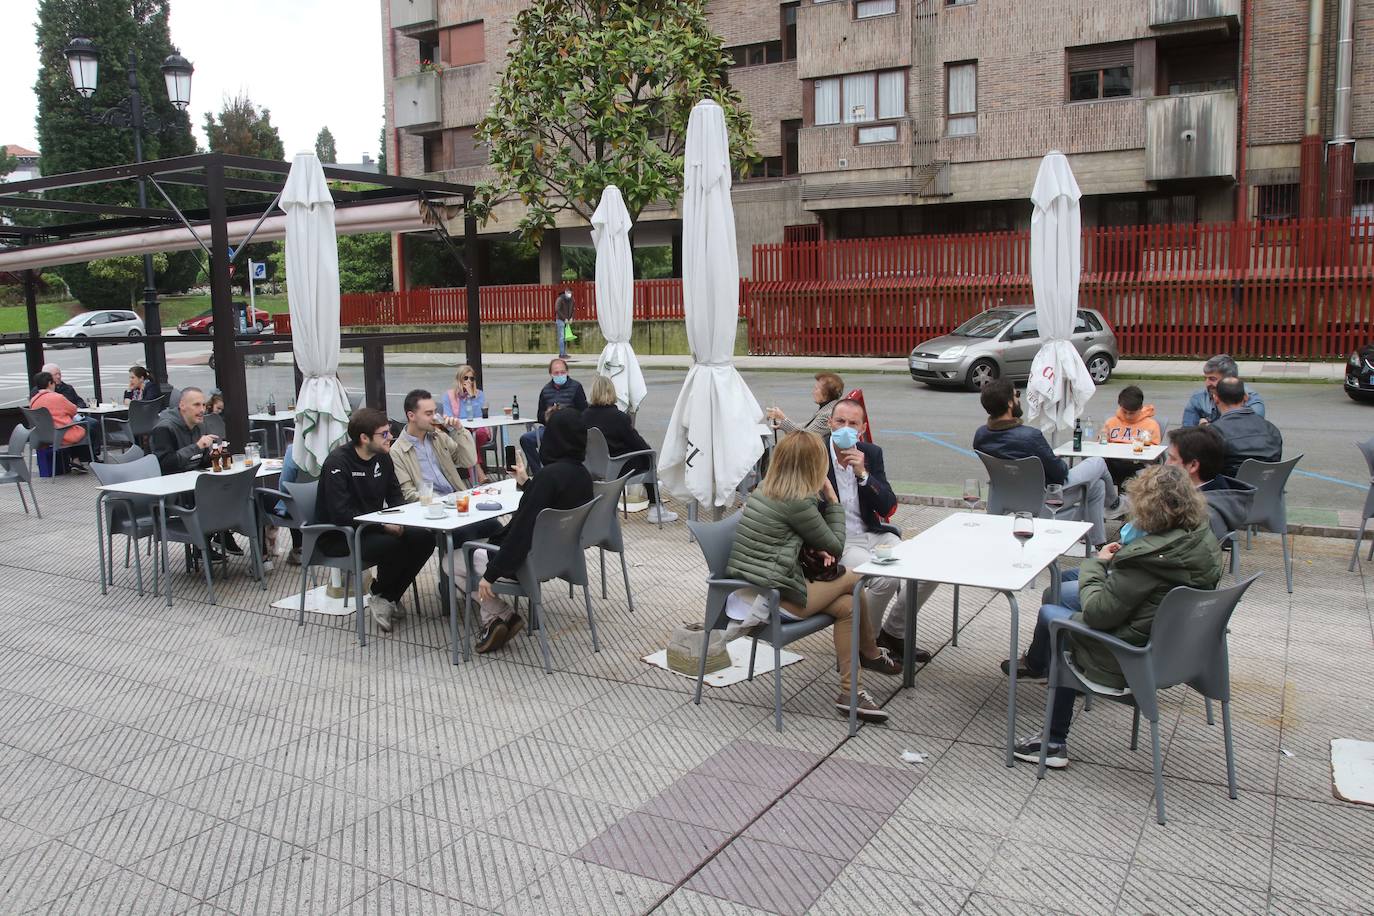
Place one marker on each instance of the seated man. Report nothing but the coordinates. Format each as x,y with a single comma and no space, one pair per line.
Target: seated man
179,442
1133,416
1005,436
358,477
1170,544
430,453
1244,433
561,483
560,390
859,476
1201,454
1202,408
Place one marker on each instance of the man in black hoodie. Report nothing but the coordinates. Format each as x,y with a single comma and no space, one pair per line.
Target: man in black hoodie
1202,453
357,478
561,483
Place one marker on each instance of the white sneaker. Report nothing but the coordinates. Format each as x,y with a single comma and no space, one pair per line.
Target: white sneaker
659,514
382,610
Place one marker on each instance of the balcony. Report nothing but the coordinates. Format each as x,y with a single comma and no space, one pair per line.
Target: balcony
1166,13
414,15
418,101
1190,136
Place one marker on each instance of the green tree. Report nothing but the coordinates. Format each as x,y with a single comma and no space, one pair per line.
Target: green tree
381,145
8,163
242,129
324,146
364,263
68,142
598,92
124,274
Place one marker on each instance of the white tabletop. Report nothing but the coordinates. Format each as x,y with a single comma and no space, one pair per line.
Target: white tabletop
485,422
172,484
954,553
1121,450
412,515
98,409
285,417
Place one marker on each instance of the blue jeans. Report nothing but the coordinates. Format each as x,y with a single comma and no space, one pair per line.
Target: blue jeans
562,325
529,444
1038,653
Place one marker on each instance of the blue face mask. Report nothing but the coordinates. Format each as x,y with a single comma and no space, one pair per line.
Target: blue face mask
560,380
1129,533
844,437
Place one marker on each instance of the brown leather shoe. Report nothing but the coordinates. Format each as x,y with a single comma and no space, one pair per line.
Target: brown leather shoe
884,663
893,645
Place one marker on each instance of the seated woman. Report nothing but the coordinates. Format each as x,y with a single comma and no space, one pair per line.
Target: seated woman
795,508
63,414
1168,542
465,401
142,386
622,438
826,393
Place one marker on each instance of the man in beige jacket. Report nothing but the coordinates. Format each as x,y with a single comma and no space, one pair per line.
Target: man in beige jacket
427,451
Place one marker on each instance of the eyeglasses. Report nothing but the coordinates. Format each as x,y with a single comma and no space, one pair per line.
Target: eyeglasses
384,434
467,378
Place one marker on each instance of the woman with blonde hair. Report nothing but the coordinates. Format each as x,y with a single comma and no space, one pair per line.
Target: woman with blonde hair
795,509
465,401
622,438
1166,543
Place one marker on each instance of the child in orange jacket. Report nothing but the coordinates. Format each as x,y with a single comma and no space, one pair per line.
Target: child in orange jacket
1132,415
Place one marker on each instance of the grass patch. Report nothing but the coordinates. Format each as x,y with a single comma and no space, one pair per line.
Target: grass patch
174,309
14,319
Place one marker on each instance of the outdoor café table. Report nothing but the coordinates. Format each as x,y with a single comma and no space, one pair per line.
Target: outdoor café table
975,551
100,412
499,424
161,488
412,515
1122,450
272,422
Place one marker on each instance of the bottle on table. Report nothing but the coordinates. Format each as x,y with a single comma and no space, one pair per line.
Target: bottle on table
1077,436
515,408
271,405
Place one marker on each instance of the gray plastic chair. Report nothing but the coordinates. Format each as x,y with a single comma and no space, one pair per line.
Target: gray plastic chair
14,468
137,426
1270,508
715,540
301,502
44,433
603,466
224,503
1367,449
1187,646
555,553
1018,485
129,515
603,532
128,456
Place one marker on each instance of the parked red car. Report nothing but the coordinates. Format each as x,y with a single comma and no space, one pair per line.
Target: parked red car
204,322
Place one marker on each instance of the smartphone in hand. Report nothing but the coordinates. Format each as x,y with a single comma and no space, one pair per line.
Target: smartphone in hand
510,458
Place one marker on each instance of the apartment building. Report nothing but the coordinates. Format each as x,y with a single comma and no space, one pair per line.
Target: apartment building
892,117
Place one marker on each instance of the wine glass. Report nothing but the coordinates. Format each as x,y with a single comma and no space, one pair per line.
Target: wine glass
1054,501
973,494
1023,529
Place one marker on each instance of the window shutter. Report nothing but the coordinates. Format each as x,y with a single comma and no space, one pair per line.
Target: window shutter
1100,57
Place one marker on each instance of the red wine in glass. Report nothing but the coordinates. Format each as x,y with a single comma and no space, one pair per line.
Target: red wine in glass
1023,529
1054,501
972,496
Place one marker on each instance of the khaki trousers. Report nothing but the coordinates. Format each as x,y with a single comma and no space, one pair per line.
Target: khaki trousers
837,599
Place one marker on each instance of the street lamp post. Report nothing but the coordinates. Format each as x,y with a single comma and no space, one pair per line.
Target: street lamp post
83,58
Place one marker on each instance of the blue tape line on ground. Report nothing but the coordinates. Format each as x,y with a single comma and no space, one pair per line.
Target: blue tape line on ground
1344,483
932,438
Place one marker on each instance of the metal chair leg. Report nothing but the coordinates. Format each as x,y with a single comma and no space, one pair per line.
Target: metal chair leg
138,565
1287,559
602,554
777,684
1230,748
305,586
753,651
1135,729
1159,770
1208,702
625,571
591,622
209,581
1354,555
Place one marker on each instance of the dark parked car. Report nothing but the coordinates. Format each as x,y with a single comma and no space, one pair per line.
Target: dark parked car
1359,375
204,322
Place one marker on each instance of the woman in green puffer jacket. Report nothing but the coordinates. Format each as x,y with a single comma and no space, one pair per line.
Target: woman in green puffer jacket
796,507
1168,543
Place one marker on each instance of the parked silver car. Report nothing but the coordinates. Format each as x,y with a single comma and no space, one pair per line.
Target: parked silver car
107,323
1003,342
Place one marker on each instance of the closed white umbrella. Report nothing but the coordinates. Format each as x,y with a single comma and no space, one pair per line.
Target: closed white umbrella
715,435
1059,386
615,294
312,292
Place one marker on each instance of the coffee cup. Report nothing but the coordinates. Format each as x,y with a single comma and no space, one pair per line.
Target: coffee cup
883,552
434,510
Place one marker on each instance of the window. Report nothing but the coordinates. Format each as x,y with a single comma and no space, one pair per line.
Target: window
1276,201
1025,329
868,9
462,45
791,156
789,31
885,133
1101,71
455,148
764,52
858,98
771,167
961,99
957,2
429,51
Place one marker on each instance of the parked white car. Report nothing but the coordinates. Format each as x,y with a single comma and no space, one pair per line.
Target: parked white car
108,323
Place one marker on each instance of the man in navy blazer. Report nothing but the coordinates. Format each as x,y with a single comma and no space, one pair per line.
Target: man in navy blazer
859,477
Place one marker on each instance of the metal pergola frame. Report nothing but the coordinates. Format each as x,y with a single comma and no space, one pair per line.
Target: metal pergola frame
216,174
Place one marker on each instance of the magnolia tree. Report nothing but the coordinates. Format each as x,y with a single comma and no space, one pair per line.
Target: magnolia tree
598,92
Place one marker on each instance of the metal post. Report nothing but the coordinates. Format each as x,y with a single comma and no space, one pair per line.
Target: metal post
154,351
33,344
374,376
474,291
95,370
229,374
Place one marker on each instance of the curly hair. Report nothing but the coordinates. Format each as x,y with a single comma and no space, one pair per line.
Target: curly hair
1163,498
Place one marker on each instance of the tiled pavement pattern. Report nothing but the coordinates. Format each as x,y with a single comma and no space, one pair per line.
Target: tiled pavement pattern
221,759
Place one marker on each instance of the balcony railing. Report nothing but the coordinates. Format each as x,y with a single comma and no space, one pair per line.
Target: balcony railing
1190,136
418,100
1164,13
414,15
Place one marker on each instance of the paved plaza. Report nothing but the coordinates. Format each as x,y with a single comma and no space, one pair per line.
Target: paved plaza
208,758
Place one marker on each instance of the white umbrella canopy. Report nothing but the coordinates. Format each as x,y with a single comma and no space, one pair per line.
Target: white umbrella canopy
615,294
312,292
715,434
1059,386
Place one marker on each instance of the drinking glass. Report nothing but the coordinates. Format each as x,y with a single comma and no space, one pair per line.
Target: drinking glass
1142,439
238,461
461,502
1054,501
973,493
1023,529
426,492
251,455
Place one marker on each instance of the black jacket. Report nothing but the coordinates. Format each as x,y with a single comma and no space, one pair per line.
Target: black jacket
562,483
563,307
1011,439
1246,434
615,425
174,444
570,394
351,486
150,392
1228,503
877,502
68,392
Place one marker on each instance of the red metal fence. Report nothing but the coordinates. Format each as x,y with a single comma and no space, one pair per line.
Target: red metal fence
1296,288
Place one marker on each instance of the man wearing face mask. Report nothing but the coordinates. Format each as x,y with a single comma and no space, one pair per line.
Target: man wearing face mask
561,391
563,308
1005,436
859,477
